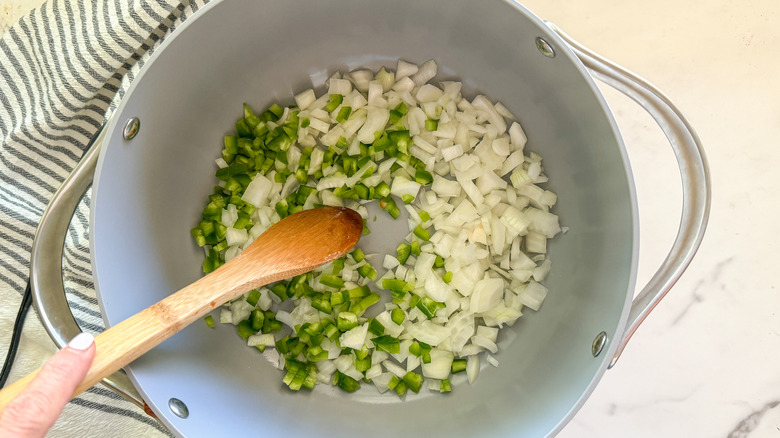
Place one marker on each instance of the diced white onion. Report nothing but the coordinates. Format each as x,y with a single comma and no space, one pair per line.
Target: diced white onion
303,100
517,136
404,69
394,368
429,93
472,368
257,191
354,338
375,122
425,73
361,78
487,294
339,86
440,364
266,339
489,219
236,237
533,295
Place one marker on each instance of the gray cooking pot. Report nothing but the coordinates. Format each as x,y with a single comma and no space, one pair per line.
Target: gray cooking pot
150,189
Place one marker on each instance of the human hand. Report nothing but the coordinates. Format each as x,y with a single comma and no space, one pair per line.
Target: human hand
37,407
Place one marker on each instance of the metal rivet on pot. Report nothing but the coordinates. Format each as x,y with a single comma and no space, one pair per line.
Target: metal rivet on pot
598,344
178,408
544,47
132,127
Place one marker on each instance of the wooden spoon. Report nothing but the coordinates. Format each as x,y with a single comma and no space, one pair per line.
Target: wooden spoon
295,245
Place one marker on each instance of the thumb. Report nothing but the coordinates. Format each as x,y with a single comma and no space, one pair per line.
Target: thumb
35,410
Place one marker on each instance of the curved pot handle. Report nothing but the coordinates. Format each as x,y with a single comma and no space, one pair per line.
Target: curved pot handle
694,174
46,277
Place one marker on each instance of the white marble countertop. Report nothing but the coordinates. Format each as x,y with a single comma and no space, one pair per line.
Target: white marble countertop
707,360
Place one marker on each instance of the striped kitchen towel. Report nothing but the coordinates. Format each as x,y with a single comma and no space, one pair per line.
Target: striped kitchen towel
62,67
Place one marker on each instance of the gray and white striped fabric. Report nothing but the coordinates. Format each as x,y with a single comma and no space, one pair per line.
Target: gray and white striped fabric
61,68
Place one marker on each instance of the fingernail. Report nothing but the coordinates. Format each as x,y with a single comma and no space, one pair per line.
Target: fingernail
81,341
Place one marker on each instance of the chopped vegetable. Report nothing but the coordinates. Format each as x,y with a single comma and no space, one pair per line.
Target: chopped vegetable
478,224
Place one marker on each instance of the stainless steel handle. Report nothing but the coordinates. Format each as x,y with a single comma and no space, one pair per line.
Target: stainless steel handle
46,277
694,174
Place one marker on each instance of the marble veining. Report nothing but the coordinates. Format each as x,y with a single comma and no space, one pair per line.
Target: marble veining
745,428
704,286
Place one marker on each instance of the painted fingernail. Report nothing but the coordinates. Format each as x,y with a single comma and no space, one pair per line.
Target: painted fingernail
81,341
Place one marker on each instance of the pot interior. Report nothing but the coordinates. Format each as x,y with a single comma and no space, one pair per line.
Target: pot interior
151,190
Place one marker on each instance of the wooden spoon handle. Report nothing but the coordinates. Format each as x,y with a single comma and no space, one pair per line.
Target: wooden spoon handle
295,245
131,338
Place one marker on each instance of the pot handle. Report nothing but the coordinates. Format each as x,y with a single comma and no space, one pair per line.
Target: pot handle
46,277
694,174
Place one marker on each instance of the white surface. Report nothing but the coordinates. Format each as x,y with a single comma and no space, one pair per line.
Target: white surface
707,361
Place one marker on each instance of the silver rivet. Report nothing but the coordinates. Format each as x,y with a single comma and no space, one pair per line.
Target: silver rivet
178,408
132,127
544,47
598,344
